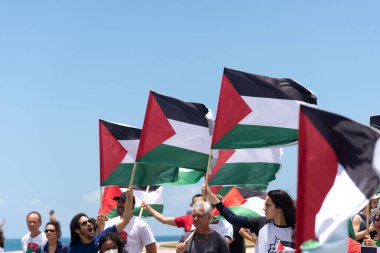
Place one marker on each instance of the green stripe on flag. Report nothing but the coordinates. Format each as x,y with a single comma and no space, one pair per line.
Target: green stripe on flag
241,211
176,157
257,136
245,174
112,214
159,208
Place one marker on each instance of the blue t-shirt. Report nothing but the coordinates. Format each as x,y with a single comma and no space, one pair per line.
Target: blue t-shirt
93,246
61,248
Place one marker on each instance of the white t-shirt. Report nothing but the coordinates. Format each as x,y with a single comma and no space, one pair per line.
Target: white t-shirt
223,227
1,249
40,240
138,231
270,235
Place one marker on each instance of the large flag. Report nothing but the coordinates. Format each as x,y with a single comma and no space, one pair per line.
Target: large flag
375,121
338,172
153,197
175,133
246,167
258,111
118,147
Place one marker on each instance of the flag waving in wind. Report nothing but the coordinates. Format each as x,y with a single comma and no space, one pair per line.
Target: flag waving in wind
118,147
175,133
258,111
338,172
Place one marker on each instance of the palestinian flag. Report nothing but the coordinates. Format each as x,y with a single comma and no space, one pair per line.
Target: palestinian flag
338,168
246,167
118,147
186,176
258,111
175,133
252,206
153,197
375,121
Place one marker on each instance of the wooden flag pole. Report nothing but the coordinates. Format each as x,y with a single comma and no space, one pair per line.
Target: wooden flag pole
367,219
189,237
101,200
132,176
145,195
207,170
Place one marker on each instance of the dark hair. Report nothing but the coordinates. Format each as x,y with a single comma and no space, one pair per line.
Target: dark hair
2,239
57,227
281,199
38,214
195,196
115,237
74,224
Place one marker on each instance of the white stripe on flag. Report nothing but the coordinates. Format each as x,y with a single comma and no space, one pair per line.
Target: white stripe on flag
273,112
153,197
342,201
190,137
131,146
265,155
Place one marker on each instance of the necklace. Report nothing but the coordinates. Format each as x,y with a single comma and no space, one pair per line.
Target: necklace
201,239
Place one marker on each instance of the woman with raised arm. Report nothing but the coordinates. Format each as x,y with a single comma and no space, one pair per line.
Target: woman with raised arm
275,230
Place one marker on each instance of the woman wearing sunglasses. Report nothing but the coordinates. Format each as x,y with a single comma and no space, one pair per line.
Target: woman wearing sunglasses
53,233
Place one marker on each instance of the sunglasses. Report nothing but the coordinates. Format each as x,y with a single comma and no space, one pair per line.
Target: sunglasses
84,223
49,230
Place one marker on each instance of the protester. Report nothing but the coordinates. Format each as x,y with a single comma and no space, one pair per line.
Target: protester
203,238
53,233
368,241
224,228
84,241
359,220
111,243
276,227
139,233
185,221
34,237
2,239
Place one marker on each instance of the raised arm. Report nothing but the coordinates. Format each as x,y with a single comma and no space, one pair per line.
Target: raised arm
128,212
159,216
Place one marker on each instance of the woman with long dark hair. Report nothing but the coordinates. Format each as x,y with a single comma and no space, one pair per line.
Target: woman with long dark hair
275,230
53,233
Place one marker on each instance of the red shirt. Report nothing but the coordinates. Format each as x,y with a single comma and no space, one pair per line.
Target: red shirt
185,221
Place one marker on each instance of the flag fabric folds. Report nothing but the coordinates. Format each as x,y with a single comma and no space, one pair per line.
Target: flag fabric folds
118,147
153,197
375,121
246,167
258,111
338,172
175,133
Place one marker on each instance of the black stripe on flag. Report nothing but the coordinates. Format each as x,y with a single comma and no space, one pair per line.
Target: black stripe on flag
252,85
175,109
121,132
375,121
152,188
353,144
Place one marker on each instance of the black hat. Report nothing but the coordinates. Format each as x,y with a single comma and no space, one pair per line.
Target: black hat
122,196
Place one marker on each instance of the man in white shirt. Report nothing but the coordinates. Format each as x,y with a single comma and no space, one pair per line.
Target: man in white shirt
138,232
34,237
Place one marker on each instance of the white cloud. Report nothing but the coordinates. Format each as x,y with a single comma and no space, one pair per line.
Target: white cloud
91,197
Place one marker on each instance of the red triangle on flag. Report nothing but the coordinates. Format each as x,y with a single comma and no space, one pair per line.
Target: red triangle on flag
108,204
112,152
231,104
223,156
232,198
280,246
156,128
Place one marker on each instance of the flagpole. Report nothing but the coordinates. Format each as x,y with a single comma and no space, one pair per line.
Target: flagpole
145,195
367,220
207,170
132,176
101,198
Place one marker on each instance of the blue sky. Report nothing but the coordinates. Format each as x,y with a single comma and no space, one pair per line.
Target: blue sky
65,64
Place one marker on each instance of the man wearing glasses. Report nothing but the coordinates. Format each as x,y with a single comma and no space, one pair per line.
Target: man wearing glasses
83,239
34,237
